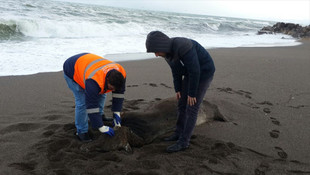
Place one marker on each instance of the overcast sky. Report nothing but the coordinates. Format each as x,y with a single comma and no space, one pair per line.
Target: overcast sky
297,11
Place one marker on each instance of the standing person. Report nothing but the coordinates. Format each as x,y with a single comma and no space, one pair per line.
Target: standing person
90,77
192,69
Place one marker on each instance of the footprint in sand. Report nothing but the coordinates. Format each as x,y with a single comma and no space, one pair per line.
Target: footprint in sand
275,121
274,133
229,90
265,103
153,84
163,84
246,93
263,167
132,85
267,110
281,153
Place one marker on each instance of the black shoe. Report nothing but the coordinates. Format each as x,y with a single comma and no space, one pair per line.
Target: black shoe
177,147
83,137
173,137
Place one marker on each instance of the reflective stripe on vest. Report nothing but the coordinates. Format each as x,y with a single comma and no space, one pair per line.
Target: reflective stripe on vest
94,71
89,65
94,67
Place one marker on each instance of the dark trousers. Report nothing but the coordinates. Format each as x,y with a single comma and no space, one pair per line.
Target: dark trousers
187,115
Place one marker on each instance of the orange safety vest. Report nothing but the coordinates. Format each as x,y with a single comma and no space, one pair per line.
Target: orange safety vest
94,67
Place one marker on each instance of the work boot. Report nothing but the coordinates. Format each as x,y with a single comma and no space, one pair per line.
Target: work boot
177,147
173,137
83,137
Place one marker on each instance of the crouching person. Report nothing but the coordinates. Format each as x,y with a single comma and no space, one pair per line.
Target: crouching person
90,77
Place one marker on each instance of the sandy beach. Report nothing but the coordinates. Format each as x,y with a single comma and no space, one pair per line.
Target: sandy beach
262,92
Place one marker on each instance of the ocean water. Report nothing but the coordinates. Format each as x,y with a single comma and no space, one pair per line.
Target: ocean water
39,35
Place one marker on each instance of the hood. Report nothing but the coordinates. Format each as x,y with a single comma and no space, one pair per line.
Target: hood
157,41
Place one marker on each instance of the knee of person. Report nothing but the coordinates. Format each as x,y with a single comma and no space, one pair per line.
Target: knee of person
80,105
182,105
182,108
193,110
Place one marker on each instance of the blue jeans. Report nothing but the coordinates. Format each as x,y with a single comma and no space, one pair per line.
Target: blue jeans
81,118
187,115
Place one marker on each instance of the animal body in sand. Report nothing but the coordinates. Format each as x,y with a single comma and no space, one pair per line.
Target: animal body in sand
140,128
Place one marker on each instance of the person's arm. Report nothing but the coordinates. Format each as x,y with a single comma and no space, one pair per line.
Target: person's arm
117,104
177,73
191,62
92,91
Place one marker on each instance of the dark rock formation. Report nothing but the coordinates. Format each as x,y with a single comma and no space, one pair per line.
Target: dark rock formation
295,30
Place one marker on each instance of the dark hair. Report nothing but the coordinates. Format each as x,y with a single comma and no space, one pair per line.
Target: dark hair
116,79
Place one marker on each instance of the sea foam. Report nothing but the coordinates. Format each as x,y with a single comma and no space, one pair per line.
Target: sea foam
38,36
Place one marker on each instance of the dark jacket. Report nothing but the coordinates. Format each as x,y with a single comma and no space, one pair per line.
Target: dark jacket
186,57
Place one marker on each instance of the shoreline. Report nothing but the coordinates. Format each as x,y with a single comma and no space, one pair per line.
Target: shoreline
125,57
263,92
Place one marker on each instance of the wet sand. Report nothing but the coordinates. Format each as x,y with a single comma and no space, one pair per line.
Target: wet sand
263,92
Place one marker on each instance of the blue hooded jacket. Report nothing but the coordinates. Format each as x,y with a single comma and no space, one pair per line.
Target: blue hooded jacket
185,57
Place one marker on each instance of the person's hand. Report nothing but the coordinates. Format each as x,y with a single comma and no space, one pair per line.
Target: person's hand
178,95
106,130
117,119
191,101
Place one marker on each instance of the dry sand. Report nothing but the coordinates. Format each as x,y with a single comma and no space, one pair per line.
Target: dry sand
263,92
